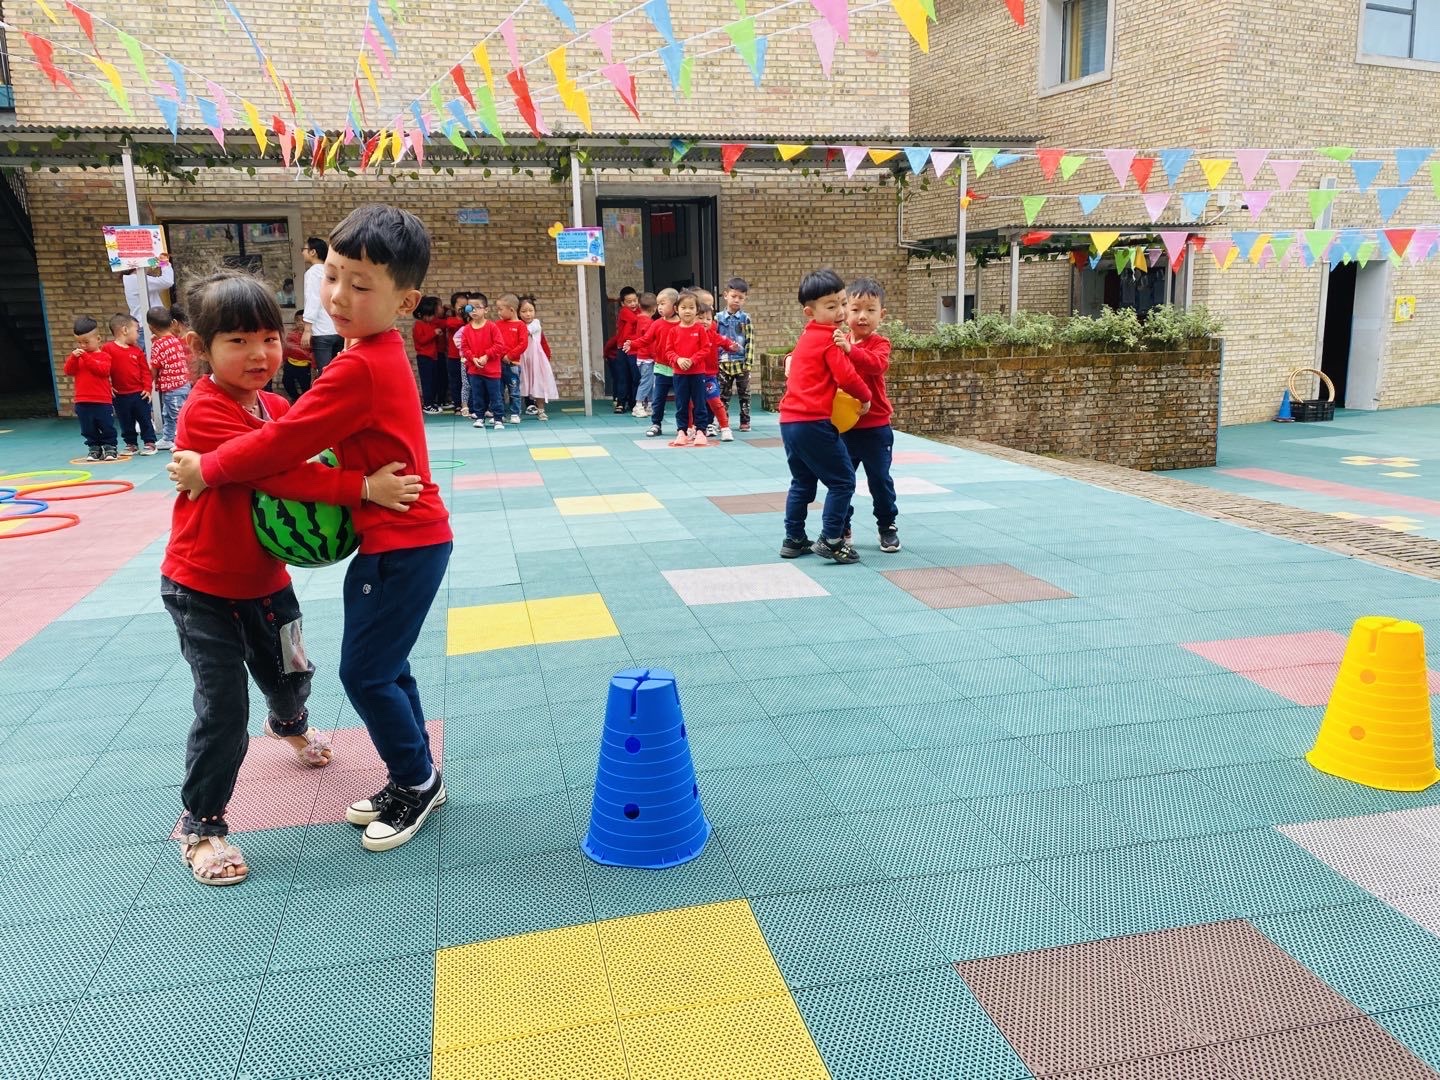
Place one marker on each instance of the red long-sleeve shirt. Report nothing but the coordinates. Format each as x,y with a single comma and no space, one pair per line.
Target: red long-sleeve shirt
817,367
700,343
424,335
365,408
651,343
170,360
129,370
479,350
91,371
628,327
212,546
447,328
512,337
871,357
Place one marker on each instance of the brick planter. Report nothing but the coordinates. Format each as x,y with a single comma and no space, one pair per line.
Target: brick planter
1143,410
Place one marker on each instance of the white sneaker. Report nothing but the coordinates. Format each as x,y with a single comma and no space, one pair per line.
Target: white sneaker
725,435
499,426
514,418
639,410
162,445
478,423
713,430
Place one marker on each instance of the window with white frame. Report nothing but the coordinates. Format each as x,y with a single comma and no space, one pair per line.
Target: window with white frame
1075,40
1407,29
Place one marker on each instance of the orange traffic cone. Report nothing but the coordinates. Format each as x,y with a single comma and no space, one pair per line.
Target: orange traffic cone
1377,729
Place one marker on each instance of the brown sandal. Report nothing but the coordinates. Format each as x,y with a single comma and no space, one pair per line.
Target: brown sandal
208,867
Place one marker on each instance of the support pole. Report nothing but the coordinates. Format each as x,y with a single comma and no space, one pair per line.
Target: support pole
1014,280
582,290
961,238
1324,223
127,168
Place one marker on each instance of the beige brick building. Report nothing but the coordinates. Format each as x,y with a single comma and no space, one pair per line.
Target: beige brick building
1155,74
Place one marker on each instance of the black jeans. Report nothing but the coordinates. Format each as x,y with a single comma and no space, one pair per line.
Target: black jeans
97,424
739,381
432,381
132,411
815,454
220,639
872,449
453,370
296,380
325,347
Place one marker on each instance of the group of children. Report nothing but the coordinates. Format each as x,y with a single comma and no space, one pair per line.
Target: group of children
492,368
114,382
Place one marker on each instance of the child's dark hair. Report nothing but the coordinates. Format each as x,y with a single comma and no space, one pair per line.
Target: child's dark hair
387,236
688,294
865,286
819,283
321,249
739,284
526,298
84,324
179,314
427,307
628,290
455,296
120,319
232,301
480,296
704,307
159,318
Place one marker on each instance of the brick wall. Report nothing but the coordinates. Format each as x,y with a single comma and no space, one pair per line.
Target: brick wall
1151,410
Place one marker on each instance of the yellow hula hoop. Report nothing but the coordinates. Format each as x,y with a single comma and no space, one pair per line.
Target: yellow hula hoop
77,476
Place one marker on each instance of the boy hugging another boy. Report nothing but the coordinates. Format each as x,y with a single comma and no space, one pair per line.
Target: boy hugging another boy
813,450
872,439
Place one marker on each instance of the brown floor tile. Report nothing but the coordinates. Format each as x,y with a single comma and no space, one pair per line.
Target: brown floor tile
929,577
955,596
1074,1008
1228,981
985,573
764,442
1019,592
1357,1049
1198,1064
740,504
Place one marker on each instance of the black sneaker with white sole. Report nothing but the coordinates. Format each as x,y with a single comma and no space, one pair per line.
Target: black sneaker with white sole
838,550
401,815
793,549
363,811
889,539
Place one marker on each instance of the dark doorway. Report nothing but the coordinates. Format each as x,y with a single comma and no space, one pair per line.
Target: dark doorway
1339,323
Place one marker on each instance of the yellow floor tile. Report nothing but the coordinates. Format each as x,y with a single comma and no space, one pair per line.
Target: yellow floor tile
742,1040
684,959
585,1053
1400,475
581,505
571,618
518,987
565,453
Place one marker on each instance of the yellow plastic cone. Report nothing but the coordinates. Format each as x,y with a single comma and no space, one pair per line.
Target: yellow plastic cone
1377,729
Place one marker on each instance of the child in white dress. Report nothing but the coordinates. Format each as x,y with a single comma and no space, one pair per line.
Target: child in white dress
537,379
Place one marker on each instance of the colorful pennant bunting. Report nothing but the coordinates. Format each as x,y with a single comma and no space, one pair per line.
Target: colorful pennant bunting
729,154
1409,159
1174,162
1215,170
1141,169
45,56
1101,241
1155,205
1365,172
941,160
1089,203
1120,164
1320,200
1049,159
1389,199
913,16
824,37
1032,205
1250,163
604,38
1256,202
837,14
1070,164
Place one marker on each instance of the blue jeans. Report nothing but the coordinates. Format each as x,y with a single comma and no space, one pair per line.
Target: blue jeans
387,597
815,454
97,424
663,385
871,449
689,394
510,377
170,402
132,411
646,390
325,348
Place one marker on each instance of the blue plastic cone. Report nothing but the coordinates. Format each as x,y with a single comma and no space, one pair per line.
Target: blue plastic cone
1284,416
647,805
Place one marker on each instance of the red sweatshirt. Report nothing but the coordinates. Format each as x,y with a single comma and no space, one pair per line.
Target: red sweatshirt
91,371
366,409
871,357
817,367
479,350
512,338
447,328
700,343
212,546
629,325
423,334
129,370
653,339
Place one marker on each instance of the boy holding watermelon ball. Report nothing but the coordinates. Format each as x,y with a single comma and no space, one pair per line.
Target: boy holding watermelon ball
366,409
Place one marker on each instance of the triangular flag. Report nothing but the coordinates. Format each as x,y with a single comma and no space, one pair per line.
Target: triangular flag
678,149
1037,236
1004,158
364,66
790,151
417,145
1122,259
45,56
377,20
824,36
1102,241
461,117
1049,159
913,16
1174,245
116,89
1032,204
928,6
604,38
1141,168
1281,245
941,160
555,58
1094,261
981,157
658,12
1174,162
1285,172
210,117
1350,241
481,55
177,72
45,8
1399,239
1215,170
252,117
373,149
1195,203
255,45
1366,253
452,132
1244,242
1069,163
1389,200
578,102
137,57
1088,203
512,45
674,56
917,157
435,99
1138,257
853,156
687,76
729,154
1120,164
1250,162
87,24
1435,178
880,156
1017,11
1257,201
1409,159
170,110
377,50
624,83
525,103
1420,246
1223,252
1365,172
419,115
751,49
1338,153
837,14
1155,205
217,95
398,143
1320,200
1317,240
561,11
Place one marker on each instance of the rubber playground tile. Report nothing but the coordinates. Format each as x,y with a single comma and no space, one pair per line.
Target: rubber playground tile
982,678
497,480
1375,851
99,821
898,686
50,780
1006,767
502,777
591,1052
916,1024
1113,753
1418,1028
28,1034
879,781
567,453
495,831
1285,792
730,746
273,857
1271,651
753,1039
836,734
916,485
531,622
1062,821
739,584
791,856
512,896
1336,1051
620,890
588,505
913,840
53,961
1169,806
367,921
1200,1063
759,793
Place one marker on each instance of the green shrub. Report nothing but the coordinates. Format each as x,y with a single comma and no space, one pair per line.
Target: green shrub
1164,327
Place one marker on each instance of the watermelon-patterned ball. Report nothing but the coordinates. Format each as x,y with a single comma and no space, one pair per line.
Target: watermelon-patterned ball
304,533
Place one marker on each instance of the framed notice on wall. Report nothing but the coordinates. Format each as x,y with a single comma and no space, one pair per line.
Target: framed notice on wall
134,247
580,247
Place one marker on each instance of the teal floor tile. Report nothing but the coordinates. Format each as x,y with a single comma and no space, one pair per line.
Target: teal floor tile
804,693
880,781
1006,767
28,1034
491,832
176,947
100,821
75,883
1417,1028
42,781
1113,753
512,896
761,793
903,686
53,961
364,922
501,777
839,733
1288,792
620,890
1170,806
1050,823
790,856
21,823
913,840
271,854
730,746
